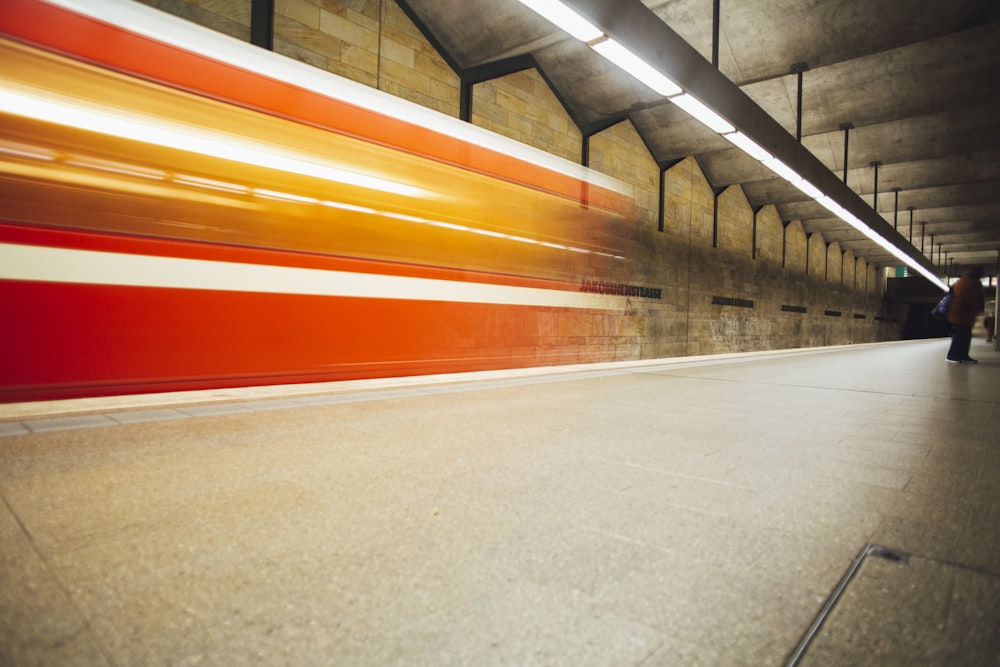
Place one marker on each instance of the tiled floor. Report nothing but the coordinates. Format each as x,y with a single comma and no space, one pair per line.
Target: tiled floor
688,512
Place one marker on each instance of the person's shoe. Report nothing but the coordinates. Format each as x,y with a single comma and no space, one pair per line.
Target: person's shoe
953,360
968,360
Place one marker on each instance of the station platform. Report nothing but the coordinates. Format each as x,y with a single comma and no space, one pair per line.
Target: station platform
833,506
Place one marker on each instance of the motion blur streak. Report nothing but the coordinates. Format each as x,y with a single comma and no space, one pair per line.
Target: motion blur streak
160,234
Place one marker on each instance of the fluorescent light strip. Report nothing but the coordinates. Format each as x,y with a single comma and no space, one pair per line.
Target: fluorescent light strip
702,113
808,188
851,219
637,67
748,146
782,169
564,18
829,204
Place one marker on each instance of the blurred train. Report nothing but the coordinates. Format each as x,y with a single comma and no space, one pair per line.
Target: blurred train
181,210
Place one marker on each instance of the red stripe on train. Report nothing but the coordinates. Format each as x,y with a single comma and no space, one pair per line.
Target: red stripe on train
73,340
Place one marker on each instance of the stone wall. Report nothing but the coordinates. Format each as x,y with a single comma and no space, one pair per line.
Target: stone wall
618,151
231,17
369,41
522,107
733,279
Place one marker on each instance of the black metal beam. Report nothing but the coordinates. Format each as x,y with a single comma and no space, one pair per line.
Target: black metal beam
486,72
262,23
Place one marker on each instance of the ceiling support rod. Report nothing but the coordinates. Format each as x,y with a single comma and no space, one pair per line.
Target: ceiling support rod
922,225
932,248
895,209
875,164
799,68
846,127
715,33
911,209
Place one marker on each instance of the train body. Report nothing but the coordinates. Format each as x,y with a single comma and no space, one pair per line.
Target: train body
184,211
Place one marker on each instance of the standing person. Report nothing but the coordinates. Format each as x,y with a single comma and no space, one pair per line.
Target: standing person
967,302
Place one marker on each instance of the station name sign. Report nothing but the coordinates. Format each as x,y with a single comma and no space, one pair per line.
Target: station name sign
620,289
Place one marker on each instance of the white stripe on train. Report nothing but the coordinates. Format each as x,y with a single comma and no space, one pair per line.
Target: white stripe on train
64,265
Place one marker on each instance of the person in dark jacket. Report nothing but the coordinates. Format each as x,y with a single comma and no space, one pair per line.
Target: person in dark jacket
966,303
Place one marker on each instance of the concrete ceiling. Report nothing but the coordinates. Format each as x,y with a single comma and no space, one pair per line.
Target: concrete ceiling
918,79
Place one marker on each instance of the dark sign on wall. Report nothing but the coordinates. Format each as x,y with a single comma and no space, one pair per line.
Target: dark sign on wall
731,301
621,289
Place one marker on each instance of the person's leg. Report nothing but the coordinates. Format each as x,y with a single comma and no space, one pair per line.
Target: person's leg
955,351
963,338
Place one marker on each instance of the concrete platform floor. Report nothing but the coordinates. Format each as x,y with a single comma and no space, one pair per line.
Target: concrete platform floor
674,512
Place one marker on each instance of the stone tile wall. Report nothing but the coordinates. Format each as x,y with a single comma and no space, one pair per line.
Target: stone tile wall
796,248
410,67
369,41
817,257
735,222
770,236
231,17
619,151
521,106
834,263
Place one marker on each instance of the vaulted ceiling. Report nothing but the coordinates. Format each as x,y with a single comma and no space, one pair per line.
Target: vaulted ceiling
918,82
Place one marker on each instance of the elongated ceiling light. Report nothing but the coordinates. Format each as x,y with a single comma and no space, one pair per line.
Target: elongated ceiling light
565,18
636,66
557,13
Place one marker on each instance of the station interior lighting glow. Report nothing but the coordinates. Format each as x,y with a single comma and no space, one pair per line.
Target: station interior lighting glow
567,19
